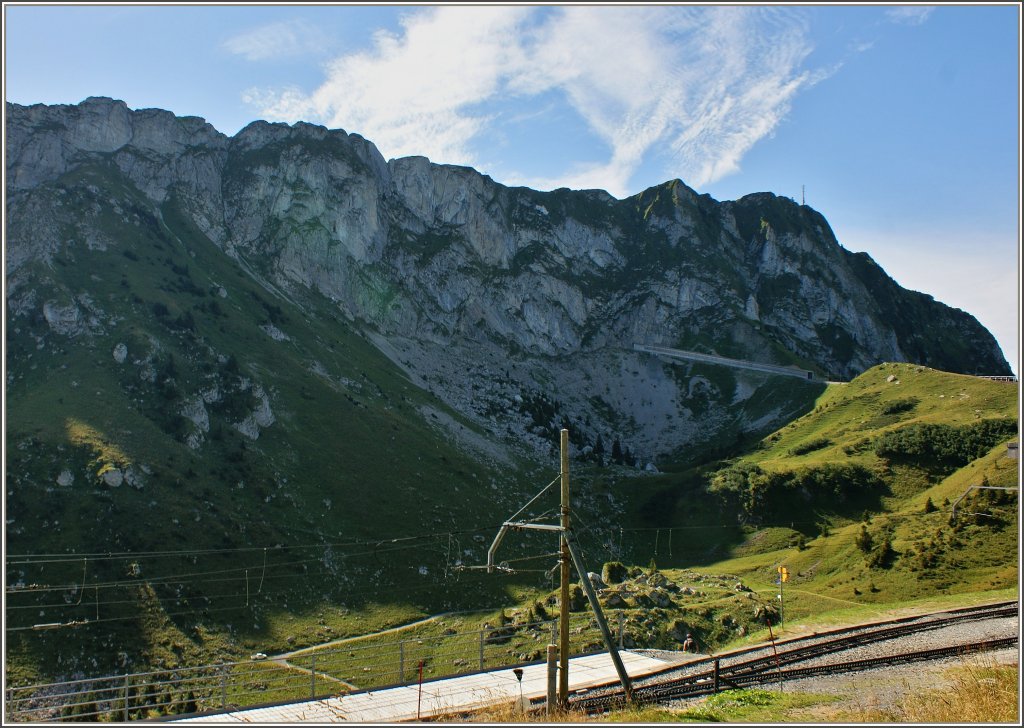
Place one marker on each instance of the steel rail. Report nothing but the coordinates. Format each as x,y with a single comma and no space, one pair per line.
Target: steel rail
767,669
865,638
671,692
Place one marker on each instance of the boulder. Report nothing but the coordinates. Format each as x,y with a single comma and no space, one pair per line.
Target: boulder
113,477
614,572
678,629
614,601
661,598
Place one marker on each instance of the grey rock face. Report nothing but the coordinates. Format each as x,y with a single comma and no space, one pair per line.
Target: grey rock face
531,292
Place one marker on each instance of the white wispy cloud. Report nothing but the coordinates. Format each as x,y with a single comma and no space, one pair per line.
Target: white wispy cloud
909,14
703,83
284,39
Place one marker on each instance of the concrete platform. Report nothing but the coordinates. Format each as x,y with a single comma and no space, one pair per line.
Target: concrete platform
442,696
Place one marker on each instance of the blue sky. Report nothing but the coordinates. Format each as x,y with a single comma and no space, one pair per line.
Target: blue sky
902,123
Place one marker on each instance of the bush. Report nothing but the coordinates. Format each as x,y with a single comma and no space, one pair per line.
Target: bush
811,446
863,541
900,405
883,556
540,611
763,496
577,599
947,446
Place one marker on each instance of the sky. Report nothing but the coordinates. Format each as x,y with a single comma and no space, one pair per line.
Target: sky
899,123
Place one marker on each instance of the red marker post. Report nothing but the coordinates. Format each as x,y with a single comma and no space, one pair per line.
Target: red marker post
783,577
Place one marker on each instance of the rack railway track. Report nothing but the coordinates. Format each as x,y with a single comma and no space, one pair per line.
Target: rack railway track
740,669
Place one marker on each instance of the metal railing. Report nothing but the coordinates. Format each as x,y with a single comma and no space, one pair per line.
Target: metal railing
359,664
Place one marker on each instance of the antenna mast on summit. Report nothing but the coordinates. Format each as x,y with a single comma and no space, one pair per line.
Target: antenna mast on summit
803,189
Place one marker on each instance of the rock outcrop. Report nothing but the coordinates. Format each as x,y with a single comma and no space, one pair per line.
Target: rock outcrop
528,293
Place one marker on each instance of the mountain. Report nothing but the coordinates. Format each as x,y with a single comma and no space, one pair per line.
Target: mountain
532,294
220,349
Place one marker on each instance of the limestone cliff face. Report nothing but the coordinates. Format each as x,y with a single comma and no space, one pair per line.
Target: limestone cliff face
459,277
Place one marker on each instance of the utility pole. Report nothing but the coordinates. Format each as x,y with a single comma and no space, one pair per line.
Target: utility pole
569,554
565,558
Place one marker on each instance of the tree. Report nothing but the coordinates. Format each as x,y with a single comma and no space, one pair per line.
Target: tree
864,541
617,452
599,451
883,556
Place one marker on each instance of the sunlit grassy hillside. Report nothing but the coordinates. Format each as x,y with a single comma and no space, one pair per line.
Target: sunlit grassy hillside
856,500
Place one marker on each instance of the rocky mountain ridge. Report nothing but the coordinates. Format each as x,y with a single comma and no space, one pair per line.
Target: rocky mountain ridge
492,297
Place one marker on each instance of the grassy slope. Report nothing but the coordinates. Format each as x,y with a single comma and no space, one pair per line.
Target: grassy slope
830,579
347,466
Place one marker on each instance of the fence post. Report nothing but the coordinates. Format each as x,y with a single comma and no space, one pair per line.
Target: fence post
549,707
127,682
482,649
312,679
716,674
621,627
401,662
223,686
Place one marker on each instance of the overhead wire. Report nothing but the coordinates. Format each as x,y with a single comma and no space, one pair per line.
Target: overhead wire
47,558
236,570
531,501
225,577
201,610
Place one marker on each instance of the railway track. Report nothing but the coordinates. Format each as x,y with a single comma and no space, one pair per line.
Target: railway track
762,665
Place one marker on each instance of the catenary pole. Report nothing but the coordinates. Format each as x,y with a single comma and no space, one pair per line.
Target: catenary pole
563,622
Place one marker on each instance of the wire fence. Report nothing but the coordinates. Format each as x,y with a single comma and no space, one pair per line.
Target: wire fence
358,665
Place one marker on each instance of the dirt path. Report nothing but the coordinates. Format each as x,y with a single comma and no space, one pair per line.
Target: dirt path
283,658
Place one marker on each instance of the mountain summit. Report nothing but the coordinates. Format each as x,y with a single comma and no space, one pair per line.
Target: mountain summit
491,296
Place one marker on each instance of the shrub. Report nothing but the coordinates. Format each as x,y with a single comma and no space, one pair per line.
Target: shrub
864,541
883,556
810,446
900,405
764,496
946,446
